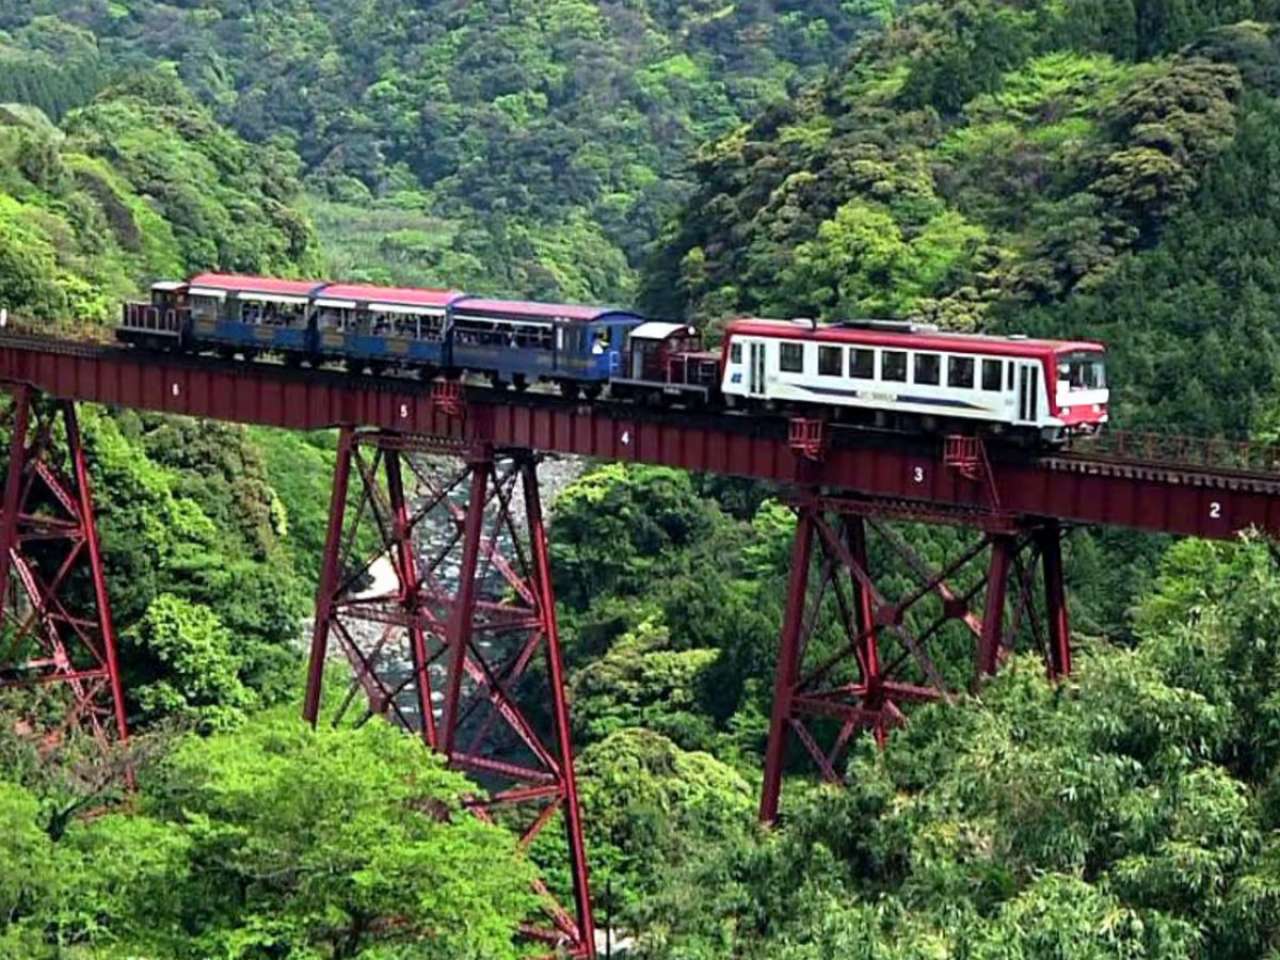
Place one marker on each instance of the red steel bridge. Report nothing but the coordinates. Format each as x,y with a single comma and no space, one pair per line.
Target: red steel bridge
448,645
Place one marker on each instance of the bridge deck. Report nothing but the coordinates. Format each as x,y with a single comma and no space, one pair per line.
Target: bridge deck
905,476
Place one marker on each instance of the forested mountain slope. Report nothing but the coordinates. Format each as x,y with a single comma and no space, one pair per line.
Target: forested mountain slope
141,182
1064,166
522,146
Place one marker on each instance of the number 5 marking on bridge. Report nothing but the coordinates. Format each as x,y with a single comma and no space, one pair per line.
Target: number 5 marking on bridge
404,411
917,475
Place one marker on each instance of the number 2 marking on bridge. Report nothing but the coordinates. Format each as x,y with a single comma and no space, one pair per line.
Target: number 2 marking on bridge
917,475
1215,510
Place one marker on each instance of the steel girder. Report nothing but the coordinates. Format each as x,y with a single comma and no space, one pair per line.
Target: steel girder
850,659
56,630
436,588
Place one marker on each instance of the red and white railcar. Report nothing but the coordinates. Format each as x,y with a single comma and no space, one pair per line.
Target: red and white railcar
899,374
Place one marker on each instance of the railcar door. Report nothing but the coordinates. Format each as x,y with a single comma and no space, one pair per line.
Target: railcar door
617,335
1029,393
755,369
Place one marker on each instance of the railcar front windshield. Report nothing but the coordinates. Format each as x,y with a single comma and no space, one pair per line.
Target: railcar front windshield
1082,371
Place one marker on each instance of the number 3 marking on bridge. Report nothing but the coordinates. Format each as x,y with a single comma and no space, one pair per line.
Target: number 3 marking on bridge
917,475
1215,510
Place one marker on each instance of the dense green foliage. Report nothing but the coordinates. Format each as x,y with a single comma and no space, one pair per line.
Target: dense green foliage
526,147
203,588
139,184
270,842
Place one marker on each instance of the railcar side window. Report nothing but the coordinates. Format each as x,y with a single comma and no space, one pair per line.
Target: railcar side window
894,366
830,361
791,358
929,368
992,375
205,307
862,364
960,372
735,353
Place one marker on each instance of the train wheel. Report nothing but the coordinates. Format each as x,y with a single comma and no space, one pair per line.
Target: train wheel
569,389
497,382
520,382
593,391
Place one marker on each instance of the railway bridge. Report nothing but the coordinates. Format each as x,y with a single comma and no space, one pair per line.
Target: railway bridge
447,649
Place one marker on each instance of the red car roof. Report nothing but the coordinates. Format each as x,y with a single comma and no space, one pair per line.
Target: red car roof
403,296
528,308
941,341
234,283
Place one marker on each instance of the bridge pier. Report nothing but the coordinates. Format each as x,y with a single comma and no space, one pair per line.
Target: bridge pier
850,658
436,589
56,631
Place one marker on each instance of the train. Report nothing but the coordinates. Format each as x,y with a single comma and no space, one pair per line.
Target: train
886,374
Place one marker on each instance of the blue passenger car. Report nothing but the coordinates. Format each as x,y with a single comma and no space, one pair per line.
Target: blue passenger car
383,326
520,342
252,314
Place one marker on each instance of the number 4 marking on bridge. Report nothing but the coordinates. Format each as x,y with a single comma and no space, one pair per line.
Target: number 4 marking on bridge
626,438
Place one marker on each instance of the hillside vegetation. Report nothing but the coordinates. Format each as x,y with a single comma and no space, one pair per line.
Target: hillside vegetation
523,147
1062,166
139,183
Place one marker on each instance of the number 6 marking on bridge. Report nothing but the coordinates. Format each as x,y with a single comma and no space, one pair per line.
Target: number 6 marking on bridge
917,475
1215,510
